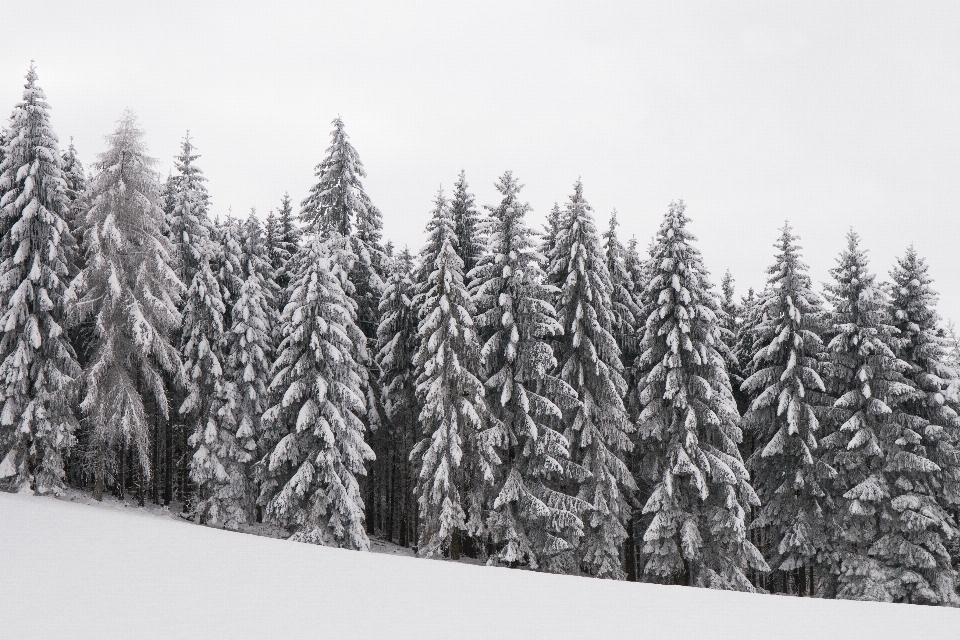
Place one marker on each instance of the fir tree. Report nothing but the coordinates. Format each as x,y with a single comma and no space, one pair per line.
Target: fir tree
284,241
922,465
131,292
470,245
690,426
319,377
532,521
455,459
76,184
622,299
190,227
397,344
589,361
37,362
339,204
866,374
787,398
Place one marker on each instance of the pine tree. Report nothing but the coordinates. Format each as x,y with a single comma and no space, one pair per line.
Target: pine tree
454,459
551,230
38,366
622,299
190,226
284,241
320,377
867,376
470,245
532,521
689,425
132,293
589,361
76,185
787,397
397,344
922,465
339,204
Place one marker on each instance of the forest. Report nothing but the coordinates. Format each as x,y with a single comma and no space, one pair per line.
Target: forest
551,399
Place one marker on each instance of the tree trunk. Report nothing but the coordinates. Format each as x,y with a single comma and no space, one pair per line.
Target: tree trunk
122,483
630,552
455,544
99,470
168,464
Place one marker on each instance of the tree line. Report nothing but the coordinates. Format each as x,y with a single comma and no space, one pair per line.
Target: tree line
550,399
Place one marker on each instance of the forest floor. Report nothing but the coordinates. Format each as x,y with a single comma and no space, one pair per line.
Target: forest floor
115,570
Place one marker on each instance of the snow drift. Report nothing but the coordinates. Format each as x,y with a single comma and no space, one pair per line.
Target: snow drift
75,571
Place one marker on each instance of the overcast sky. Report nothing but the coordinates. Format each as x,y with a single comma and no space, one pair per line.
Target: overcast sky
831,115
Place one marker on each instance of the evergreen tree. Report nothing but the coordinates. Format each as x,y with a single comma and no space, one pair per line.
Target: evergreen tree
532,521
589,361
338,204
284,241
319,377
470,245
923,464
690,426
787,398
397,344
455,460
132,293
38,366
867,376
622,299
189,224
551,230
76,184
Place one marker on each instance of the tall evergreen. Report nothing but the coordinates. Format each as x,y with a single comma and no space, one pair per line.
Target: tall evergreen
622,298
689,425
867,376
923,464
76,184
470,245
788,397
132,293
189,223
284,240
397,344
38,367
532,520
310,475
455,458
589,361
339,204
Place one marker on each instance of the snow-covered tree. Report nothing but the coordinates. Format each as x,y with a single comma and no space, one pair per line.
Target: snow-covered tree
532,520
226,449
622,298
455,458
131,292
467,222
319,377
865,373
589,361
923,464
338,204
189,224
690,426
38,367
76,184
283,240
397,344
788,397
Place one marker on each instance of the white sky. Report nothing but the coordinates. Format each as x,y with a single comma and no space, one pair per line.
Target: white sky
832,115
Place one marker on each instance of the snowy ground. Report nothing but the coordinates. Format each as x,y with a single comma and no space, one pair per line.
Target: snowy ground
70,570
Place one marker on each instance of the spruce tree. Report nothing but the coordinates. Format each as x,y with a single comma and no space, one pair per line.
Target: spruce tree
923,463
397,344
319,377
284,241
689,425
38,366
455,454
190,227
589,361
788,398
76,184
532,520
470,245
132,293
622,299
867,376
339,204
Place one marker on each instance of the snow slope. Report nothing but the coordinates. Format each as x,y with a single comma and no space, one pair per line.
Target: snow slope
76,571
